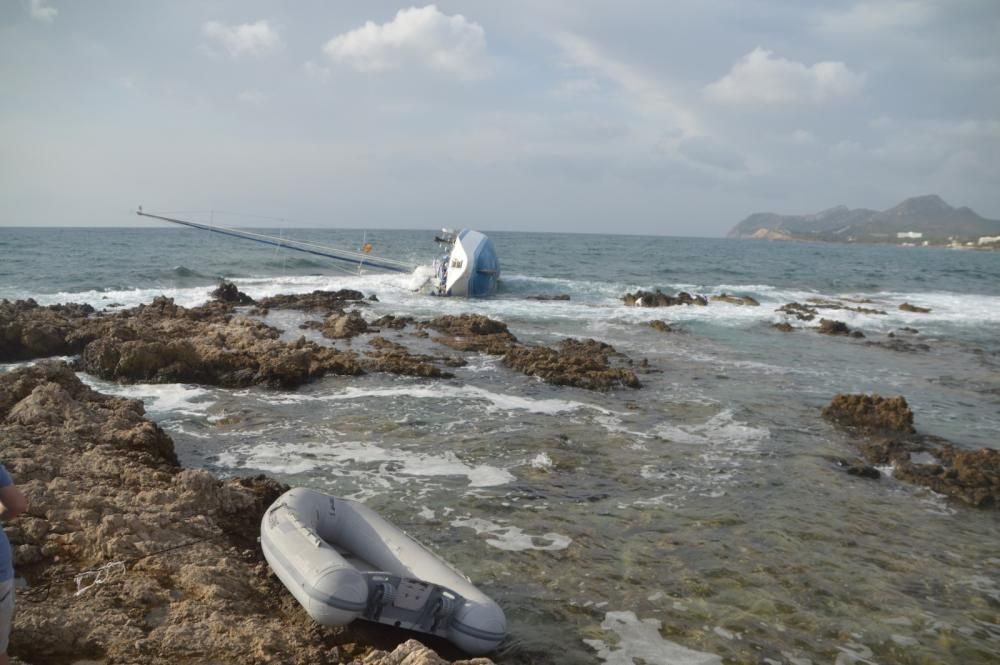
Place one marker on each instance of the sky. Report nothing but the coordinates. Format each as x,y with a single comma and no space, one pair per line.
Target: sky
659,118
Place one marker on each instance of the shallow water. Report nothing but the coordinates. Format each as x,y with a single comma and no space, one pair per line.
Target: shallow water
699,519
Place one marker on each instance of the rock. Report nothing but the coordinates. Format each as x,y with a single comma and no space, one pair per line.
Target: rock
392,321
660,299
799,311
561,296
831,327
581,363
662,326
328,301
823,303
907,307
859,469
894,343
871,413
373,298
735,300
28,330
165,343
228,293
472,332
344,326
184,579
970,475
784,327
396,359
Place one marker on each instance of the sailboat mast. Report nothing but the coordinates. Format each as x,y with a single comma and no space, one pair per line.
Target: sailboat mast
335,253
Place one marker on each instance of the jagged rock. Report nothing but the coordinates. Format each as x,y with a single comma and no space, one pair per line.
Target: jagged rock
871,413
343,326
784,326
581,363
325,301
228,293
28,330
662,326
472,332
395,358
896,344
561,296
165,343
824,303
186,581
393,322
831,327
907,307
735,300
659,299
859,469
799,311
970,475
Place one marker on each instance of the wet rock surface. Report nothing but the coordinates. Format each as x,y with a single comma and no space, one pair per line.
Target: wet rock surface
172,572
735,300
659,299
907,307
581,363
871,413
831,327
344,326
662,326
165,343
228,293
472,332
799,311
29,330
389,356
317,301
972,476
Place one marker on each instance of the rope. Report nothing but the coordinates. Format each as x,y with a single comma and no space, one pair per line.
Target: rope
102,574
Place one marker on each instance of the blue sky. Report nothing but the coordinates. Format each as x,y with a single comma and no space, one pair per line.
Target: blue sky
671,118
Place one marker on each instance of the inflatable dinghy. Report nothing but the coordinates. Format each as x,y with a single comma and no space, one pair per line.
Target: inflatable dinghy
342,562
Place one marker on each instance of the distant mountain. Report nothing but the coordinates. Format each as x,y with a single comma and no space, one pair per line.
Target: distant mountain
929,216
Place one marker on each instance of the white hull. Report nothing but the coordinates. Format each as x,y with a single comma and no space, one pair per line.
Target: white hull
342,561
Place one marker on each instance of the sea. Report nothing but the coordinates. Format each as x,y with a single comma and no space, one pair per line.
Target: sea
700,519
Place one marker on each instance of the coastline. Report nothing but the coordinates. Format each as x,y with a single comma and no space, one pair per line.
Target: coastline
132,558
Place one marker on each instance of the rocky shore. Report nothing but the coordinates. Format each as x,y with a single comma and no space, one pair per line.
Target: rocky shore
129,558
886,436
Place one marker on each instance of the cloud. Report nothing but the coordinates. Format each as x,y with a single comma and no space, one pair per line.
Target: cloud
316,72
245,39
424,36
877,17
645,94
42,12
251,97
760,78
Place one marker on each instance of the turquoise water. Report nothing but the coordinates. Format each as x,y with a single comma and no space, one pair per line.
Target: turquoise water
699,519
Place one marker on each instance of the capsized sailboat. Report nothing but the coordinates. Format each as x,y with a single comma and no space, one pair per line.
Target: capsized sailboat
469,267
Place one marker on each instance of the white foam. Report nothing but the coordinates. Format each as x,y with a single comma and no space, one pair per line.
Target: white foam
439,392
721,428
158,398
639,640
343,458
542,462
512,538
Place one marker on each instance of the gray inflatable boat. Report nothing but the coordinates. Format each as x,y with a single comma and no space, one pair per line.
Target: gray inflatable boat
342,562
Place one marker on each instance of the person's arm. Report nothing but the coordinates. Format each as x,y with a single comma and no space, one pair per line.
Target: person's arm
12,502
